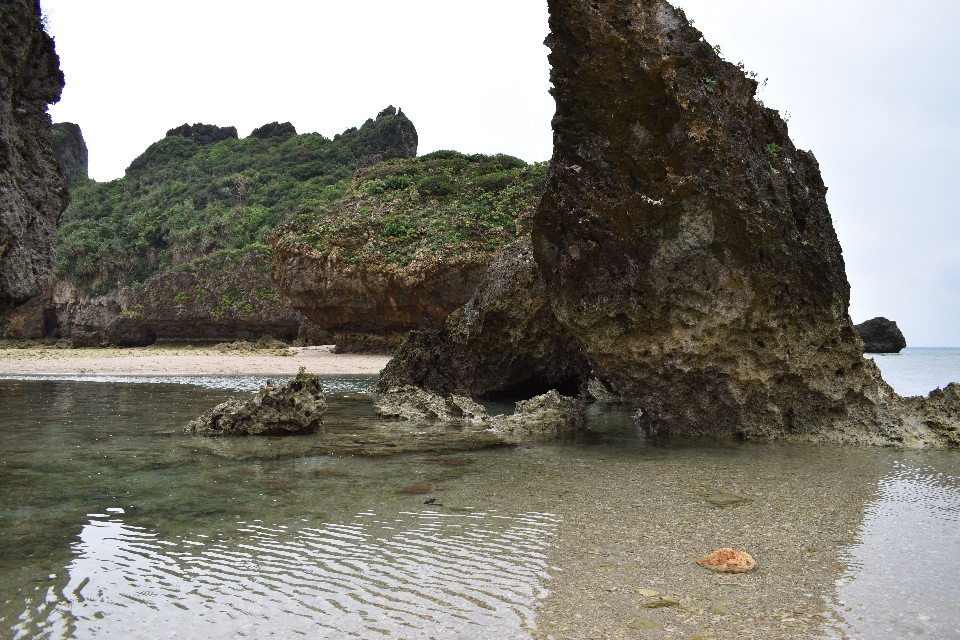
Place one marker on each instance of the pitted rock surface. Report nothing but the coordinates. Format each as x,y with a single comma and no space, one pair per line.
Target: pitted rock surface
294,407
33,192
505,339
685,241
550,415
412,403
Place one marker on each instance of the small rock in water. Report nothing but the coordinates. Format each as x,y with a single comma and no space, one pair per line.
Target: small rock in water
724,499
293,407
549,414
411,403
727,560
647,593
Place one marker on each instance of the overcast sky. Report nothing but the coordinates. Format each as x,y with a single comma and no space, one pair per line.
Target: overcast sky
871,86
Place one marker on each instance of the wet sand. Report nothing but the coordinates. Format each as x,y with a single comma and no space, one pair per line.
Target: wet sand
167,360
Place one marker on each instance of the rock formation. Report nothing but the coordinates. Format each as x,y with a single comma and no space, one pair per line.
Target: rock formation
881,336
405,247
548,415
70,150
295,407
274,130
503,341
33,192
412,403
686,249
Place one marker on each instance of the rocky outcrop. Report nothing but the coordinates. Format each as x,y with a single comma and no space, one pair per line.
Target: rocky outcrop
412,403
33,192
685,242
406,247
274,130
224,297
204,133
295,407
881,336
504,341
549,415
394,136
70,150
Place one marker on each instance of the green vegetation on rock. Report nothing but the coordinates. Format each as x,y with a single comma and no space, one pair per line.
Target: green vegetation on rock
403,207
185,199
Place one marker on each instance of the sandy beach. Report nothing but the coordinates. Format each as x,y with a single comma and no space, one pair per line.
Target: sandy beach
163,360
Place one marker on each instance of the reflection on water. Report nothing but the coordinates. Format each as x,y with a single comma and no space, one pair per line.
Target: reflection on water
904,576
425,574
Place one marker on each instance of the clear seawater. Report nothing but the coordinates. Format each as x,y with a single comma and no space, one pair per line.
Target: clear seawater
115,524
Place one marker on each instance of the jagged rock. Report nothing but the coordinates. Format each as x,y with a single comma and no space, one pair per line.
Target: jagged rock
204,133
411,403
127,331
70,150
295,407
34,320
33,192
274,130
310,334
881,336
395,137
550,414
504,340
685,242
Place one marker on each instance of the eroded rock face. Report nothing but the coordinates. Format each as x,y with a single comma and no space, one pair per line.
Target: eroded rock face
70,150
881,336
550,415
294,407
504,340
274,130
33,192
412,403
685,241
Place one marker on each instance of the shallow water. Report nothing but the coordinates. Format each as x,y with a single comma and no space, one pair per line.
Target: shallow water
113,522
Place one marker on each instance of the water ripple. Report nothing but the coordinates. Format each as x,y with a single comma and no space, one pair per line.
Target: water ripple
430,575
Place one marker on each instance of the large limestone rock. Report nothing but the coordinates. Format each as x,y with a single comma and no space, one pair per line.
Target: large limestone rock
881,336
295,407
504,340
70,150
547,415
685,241
33,192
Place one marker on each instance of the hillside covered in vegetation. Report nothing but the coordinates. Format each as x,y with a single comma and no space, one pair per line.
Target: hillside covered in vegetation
201,190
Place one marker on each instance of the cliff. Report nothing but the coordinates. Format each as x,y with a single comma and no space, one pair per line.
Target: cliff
33,192
70,150
687,251
406,246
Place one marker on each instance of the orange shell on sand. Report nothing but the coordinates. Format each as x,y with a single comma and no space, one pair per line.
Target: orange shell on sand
728,561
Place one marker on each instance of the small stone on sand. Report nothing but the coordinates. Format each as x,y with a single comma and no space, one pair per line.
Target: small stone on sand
728,561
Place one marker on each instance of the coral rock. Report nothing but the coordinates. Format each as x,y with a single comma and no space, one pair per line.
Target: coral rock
295,407
728,561
550,414
411,403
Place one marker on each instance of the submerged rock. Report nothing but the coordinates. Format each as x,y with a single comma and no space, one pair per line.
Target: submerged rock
728,561
33,192
411,403
548,415
294,407
881,336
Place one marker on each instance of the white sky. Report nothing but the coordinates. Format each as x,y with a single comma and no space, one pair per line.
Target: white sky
872,87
